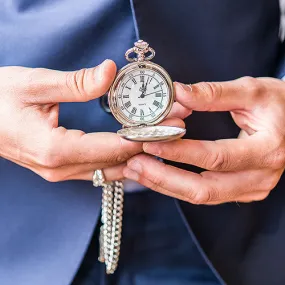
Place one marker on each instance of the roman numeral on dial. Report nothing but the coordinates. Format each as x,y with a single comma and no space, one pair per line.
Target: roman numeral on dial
157,104
142,78
142,115
151,112
126,96
134,110
128,104
157,94
135,82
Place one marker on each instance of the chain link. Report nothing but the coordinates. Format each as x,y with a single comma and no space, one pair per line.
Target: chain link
111,229
113,192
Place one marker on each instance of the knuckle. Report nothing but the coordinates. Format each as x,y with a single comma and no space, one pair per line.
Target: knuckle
29,84
47,157
255,197
253,85
23,80
120,157
217,161
199,197
212,91
48,160
116,157
157,181
124,151
121,154
75,82
262,196
269,183
50,175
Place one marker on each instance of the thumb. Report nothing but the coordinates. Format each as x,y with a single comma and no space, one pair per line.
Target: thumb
51,86
243,93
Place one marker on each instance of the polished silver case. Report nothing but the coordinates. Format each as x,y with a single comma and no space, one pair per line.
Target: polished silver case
149,131
112,97
152,133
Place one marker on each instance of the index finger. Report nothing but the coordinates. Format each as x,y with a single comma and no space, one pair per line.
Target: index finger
74,146
243,93
204,188
221,155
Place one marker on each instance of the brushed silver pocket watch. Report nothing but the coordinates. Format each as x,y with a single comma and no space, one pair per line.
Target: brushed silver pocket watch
141,97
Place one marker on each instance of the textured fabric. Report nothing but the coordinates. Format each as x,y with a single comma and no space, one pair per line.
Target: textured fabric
156,249
46,227
282,19
222,40
132,186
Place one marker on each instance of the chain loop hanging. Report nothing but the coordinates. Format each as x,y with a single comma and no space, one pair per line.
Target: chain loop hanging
112,219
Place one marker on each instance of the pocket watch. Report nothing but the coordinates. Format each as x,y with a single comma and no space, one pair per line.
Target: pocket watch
142,96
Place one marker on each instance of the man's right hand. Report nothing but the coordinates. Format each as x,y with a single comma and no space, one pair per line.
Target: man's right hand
29,131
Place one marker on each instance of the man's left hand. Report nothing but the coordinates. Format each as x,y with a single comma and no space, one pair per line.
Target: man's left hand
242,170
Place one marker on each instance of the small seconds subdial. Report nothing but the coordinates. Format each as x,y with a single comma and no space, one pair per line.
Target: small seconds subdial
143,95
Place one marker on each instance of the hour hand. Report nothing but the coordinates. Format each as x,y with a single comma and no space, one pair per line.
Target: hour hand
142,95
142,89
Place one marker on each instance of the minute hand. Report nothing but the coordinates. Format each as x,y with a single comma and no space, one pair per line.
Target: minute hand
150,93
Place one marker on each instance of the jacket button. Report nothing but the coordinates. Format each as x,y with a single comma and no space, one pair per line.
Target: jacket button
105,104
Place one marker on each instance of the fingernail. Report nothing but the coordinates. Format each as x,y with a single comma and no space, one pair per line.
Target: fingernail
100,70
184,87
152,148
130,174
135,166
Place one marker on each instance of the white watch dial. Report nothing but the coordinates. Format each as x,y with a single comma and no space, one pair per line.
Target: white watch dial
143,95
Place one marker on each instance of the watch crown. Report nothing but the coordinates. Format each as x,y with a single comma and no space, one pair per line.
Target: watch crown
141,48
141,44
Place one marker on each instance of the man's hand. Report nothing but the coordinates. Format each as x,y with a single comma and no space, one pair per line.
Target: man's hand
29,131
244,169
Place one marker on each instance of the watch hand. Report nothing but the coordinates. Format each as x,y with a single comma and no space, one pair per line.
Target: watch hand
150,93
146,84
143,91
142,95
144,88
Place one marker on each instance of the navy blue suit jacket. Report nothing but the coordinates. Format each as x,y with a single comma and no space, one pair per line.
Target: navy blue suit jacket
45,228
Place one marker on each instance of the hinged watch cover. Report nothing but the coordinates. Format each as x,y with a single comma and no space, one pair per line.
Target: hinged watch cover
142,96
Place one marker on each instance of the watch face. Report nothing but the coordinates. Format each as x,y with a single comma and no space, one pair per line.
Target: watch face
143,94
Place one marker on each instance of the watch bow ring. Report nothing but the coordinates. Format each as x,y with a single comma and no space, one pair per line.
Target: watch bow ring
142,96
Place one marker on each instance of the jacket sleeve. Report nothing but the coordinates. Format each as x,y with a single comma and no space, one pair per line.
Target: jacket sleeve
281,69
